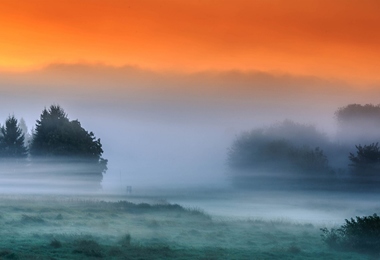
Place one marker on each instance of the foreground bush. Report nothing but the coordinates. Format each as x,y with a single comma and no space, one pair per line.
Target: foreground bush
361,234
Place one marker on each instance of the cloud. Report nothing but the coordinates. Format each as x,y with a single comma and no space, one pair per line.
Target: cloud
209,95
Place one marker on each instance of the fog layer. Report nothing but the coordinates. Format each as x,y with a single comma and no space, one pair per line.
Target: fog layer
170,129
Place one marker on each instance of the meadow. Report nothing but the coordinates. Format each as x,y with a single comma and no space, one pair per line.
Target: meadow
80,227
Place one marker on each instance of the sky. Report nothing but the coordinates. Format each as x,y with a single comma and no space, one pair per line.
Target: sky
178,79
323,38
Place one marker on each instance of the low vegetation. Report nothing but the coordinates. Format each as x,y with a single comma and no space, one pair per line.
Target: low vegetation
94,229
361,234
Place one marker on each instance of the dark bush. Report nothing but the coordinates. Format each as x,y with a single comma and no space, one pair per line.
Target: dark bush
361,234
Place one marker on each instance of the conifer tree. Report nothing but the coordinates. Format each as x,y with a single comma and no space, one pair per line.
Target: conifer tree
57,138
12,140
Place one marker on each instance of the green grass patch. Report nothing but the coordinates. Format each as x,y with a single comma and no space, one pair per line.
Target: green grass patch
70,228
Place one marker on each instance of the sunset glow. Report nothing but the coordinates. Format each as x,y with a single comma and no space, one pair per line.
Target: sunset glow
189,129
333,39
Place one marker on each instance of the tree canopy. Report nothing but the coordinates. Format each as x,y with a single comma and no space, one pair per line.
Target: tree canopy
12,140
254,151
367,158
357,112
56,135
284,155
358,123
57,138
285,147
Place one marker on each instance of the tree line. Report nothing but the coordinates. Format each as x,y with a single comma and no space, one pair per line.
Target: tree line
297,155
56,140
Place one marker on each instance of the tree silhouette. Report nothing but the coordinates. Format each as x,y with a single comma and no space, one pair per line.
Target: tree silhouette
67,142
367,158
283,156
12,140
286,147
358,123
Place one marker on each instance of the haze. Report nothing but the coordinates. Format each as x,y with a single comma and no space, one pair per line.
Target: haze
170,128
167,87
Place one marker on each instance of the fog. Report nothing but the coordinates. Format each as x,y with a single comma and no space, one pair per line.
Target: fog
171,132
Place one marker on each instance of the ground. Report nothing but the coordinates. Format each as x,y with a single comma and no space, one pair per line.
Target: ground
70,227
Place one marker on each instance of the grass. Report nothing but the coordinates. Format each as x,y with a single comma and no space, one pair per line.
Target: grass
67,228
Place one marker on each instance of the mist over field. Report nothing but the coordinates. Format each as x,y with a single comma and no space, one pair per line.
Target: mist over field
262,154
189,129
172,130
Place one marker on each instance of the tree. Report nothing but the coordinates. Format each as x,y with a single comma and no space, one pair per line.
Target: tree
367,158
365,167
274,157
358,123
12,140
296,133
285,147
68,143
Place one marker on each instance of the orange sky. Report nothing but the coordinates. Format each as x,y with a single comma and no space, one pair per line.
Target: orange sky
324,38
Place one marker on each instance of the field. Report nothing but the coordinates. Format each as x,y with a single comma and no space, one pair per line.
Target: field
71,227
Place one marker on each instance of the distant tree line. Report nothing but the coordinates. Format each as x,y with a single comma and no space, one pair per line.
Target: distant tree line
358,123
58,142
292,154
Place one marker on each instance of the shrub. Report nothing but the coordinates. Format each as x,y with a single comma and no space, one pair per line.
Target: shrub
360,234
333,237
